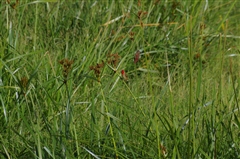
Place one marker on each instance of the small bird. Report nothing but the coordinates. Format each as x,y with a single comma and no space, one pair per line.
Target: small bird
137,56
124,76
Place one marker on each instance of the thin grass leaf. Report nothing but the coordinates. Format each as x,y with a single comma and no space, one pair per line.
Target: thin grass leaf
91,153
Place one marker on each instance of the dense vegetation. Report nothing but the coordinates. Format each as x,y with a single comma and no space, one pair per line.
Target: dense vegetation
119,79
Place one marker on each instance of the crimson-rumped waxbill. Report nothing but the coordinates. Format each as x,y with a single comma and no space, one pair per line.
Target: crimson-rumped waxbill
124,76
137,56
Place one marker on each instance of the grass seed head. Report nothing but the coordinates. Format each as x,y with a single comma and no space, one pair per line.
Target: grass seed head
67,65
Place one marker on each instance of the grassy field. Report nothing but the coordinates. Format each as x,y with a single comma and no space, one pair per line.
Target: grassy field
119,79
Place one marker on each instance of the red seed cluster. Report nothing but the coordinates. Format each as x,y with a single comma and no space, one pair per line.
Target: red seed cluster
113,59
24,82
141,14
97,68
131,35
13,5
67,65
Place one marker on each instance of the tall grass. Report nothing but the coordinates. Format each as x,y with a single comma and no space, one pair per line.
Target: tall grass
63,95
